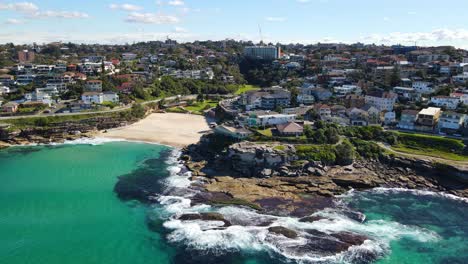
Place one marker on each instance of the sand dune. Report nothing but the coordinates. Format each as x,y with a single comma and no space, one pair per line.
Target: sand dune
177,130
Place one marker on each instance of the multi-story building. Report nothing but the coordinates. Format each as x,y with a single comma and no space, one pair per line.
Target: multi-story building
424,87
408,119
451,122
93,86
342,91
428,119
446,101
384,101
92,98
26,56
262,52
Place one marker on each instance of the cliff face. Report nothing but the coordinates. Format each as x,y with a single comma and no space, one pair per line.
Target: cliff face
250,159
58,132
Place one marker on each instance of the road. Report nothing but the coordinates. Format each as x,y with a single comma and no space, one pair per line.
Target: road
188,97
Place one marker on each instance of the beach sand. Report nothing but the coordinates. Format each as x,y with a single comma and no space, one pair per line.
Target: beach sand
177,130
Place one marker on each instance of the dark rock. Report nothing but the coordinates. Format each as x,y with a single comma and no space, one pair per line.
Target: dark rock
283,231
311,219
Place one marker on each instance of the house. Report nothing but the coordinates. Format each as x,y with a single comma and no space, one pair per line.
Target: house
110,97
233,132
358,117
92,98
408,119
276,97
4,89
461,78
10,107
275,119
446,101
338,110
342,91
428,119
353,100
324,111
463,97
408,93
128,56
290,129
389,118
321,94
383,101
451,122
93,86
373,114
424,87
298,111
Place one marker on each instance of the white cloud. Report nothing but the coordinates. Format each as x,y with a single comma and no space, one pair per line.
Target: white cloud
14,21
30,10
180,30
176,3
275,19
151,18
58,14
435,36
125,7
23,7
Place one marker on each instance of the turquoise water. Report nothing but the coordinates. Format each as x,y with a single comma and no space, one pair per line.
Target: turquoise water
58,204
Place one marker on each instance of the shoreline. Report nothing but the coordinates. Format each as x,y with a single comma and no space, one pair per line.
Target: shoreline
170,129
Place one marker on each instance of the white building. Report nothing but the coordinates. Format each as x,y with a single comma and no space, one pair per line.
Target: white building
389,118
110,97
129,56
342,91
451,121
92,98
277,119
461,78
262,52
424,87
446,101
383,101
4,90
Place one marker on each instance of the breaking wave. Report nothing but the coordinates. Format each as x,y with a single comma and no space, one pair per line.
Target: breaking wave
248,231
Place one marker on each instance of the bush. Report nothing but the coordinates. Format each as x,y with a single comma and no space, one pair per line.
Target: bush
41,121
367,149
344,153
323,153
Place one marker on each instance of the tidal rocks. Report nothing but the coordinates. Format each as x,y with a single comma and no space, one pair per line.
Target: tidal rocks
280,230
205,217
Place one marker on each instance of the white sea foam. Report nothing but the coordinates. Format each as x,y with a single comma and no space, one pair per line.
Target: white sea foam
245,236
382,190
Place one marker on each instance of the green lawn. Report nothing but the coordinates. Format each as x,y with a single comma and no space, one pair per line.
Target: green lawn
266,132
246,88
199,107
433,146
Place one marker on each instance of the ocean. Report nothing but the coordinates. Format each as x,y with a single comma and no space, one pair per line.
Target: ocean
82,202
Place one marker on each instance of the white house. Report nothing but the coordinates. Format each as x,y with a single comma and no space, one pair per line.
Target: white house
462,96
389,118
424,87
446,101
129,56
110,97
342,91
92,98
461,78
278,119
383,101
450,120
4,90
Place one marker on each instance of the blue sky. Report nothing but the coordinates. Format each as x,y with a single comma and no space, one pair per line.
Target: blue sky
426,22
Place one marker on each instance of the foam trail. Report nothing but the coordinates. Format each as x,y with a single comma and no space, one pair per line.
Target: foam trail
249,229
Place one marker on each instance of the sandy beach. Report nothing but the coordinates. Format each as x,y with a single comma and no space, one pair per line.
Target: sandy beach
177,130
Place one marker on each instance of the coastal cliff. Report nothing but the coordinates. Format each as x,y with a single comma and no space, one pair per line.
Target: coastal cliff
255,174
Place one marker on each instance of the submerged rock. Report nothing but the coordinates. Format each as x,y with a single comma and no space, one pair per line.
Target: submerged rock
280,230
205,217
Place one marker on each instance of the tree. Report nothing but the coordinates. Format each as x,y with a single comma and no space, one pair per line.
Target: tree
294,94
332,135
344,153
138,111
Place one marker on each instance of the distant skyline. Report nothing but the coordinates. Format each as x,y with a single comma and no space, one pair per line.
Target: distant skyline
406,22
